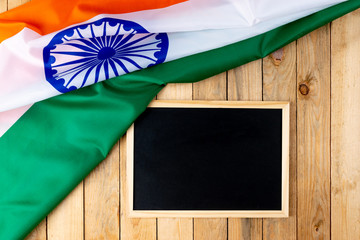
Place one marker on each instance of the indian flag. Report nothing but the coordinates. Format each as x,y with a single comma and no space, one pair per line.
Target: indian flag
58,141
50,47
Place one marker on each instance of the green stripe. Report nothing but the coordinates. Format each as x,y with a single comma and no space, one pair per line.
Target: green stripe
59,141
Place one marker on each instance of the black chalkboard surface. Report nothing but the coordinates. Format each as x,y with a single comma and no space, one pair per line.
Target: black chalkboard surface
209,159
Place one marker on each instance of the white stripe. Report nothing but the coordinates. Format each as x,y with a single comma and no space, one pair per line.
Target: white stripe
192,27
220,14
205,40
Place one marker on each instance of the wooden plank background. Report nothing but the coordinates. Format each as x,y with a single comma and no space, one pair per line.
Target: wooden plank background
320,75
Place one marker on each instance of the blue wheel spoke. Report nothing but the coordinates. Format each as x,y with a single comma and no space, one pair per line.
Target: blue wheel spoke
137,40
137,51
139,46
101,41
74,62
116,35
104,30
106,68
77,67
132,62
108,40
95,41
61,75
89,44
72,78
87,75
97,72
112,64
121,65
116,40
77,30
82,54
125,40
92,31
94,38
118,30
82,47
81,70
140,56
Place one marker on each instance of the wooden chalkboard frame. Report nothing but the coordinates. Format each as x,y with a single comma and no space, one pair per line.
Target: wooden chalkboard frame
284,212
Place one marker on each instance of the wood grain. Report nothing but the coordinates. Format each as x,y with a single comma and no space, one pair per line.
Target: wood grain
313,135
210,229
66,220
39,233
245,83
345,128
279,83
214,88
3,5
15,3
175,228
245,229
176,91
102,219
132,228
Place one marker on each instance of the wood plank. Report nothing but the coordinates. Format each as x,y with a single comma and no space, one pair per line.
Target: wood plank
3,5
245,83
66,220
102,197
132,228
175,228
210,229
15,3
345,128
245,229
313,135
176,91
39,233
213,88
279,83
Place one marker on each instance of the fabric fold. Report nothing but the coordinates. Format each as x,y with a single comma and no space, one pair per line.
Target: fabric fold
37,64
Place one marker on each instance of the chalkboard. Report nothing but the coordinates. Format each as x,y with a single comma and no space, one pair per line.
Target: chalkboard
203,159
